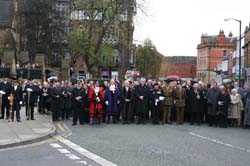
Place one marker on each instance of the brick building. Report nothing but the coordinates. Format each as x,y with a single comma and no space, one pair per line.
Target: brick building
211,51
247,54
183,66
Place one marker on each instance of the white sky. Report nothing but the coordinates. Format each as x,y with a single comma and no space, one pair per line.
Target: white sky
175,26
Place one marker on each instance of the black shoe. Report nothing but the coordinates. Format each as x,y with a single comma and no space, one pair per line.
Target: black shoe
73,124
1,117
18,120
32,119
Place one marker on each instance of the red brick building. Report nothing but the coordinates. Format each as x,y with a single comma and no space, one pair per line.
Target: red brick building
247,54
211,51
183,66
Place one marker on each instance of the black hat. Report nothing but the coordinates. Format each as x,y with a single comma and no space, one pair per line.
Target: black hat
14,80
156,84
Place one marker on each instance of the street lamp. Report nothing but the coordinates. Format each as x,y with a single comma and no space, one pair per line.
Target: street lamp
239,21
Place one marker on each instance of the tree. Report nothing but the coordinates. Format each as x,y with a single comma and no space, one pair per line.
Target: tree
148,59
102,18
37,25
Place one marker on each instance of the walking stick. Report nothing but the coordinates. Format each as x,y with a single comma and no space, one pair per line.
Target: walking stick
1,97
11,106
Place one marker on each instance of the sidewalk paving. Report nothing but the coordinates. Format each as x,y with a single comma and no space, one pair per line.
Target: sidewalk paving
27,131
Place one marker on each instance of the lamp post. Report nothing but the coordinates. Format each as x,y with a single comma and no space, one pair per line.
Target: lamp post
239,21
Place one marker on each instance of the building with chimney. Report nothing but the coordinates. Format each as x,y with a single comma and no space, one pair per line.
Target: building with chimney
212,50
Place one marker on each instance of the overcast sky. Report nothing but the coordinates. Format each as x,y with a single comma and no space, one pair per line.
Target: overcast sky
175,26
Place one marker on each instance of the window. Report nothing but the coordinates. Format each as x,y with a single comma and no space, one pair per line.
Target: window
225,53
104,59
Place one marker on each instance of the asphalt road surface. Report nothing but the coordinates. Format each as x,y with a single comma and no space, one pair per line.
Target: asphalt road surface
148,145
136,145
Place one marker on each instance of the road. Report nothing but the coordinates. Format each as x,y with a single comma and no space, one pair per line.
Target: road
136,145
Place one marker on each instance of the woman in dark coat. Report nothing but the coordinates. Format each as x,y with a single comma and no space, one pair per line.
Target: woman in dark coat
223,102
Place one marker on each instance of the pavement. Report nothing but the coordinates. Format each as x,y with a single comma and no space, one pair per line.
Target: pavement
27,131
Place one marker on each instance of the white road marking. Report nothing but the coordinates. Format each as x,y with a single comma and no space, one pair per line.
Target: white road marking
86,153
219,142
63,151
82,162
72,157
54,145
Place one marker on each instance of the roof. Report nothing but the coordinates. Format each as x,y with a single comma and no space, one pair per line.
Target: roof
214,38
181,59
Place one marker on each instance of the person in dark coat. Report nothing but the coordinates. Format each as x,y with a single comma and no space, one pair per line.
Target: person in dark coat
133,104
112,100
156,99
212,96
78,103
104,106
150,86
126,101
31,95
55,105
45,96
17,92
188,106
142,95
223,102
66,100
85,113
197,105
5,88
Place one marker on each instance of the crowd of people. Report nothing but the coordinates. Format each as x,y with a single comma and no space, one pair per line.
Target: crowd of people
129,102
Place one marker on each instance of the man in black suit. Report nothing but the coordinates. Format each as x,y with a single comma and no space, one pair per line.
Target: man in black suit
5,88
126,101
55,107
16,90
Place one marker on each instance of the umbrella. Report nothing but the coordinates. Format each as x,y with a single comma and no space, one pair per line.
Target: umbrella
172,78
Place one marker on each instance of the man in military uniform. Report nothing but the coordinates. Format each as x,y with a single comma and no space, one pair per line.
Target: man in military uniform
180,98
156,99
168,92
5,88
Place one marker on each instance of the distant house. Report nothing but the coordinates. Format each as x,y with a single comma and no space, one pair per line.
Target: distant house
182,66
211,51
